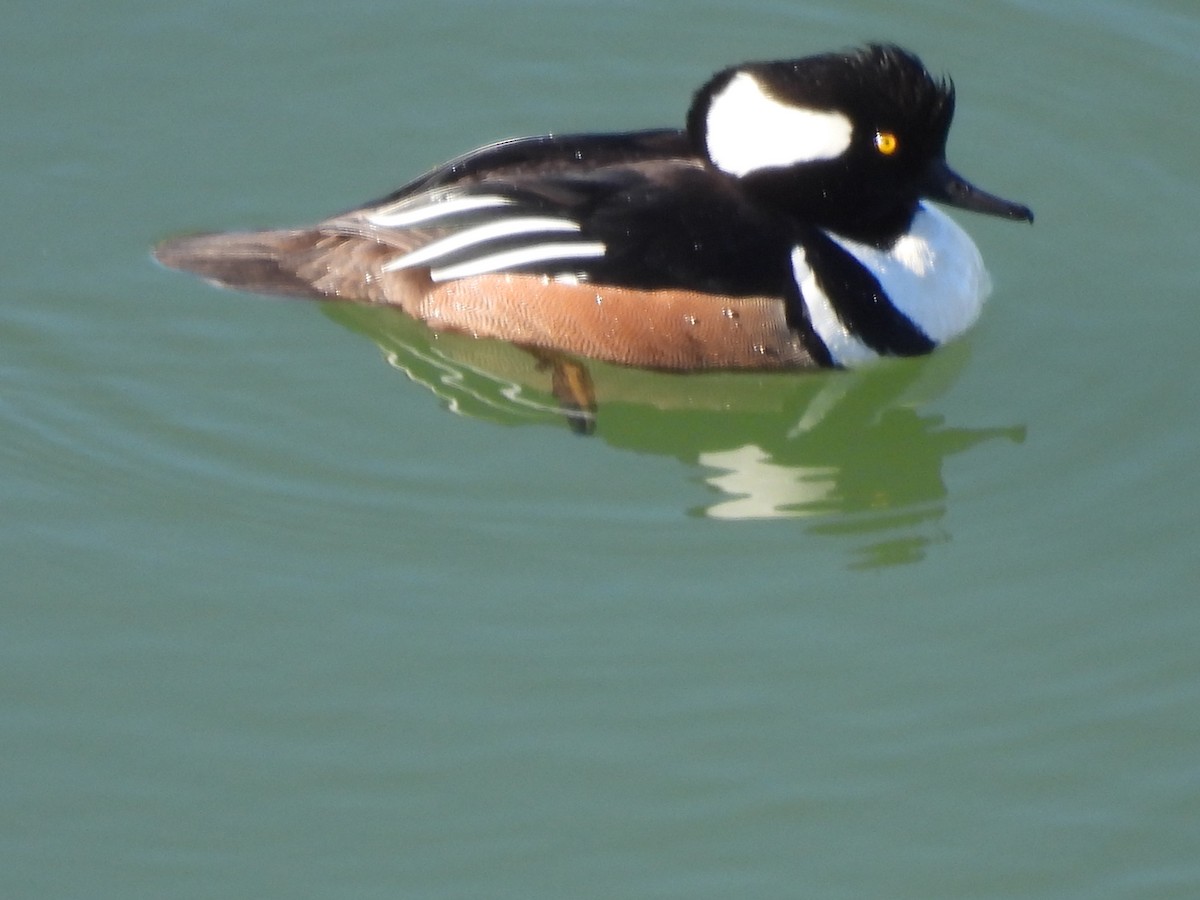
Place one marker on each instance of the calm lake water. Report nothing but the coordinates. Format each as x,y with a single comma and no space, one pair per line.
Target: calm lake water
302,602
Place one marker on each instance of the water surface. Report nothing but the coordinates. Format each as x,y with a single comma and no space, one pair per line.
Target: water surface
300,601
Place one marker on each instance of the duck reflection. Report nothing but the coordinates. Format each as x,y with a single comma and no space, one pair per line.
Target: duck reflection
851,451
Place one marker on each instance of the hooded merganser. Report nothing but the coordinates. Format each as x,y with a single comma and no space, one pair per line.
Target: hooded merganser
786,227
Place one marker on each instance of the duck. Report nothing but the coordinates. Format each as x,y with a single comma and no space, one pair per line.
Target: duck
792,223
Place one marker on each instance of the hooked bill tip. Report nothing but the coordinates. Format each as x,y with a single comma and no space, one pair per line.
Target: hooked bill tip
944,184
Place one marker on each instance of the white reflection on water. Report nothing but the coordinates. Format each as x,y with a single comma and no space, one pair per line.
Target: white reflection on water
854,453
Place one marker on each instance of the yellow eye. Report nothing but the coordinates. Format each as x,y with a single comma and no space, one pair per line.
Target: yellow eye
886,143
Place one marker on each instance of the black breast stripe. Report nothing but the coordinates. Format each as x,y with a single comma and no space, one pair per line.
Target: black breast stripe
860,301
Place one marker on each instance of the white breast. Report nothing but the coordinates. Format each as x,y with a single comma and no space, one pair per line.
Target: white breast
934,275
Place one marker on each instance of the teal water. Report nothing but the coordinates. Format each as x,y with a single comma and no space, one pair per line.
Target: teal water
299,601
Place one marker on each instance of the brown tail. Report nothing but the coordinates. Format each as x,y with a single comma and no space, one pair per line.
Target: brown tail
298,263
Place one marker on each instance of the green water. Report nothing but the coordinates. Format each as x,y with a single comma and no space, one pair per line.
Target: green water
303,602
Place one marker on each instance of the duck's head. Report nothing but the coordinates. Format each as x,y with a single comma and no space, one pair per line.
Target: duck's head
846,141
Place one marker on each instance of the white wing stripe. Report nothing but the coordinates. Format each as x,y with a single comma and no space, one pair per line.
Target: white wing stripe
522,256
478,235
406,215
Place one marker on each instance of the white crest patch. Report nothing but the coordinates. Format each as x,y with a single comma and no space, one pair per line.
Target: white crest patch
747,130
933,274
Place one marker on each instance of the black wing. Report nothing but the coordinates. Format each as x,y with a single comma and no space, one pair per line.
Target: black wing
650,222
521,157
